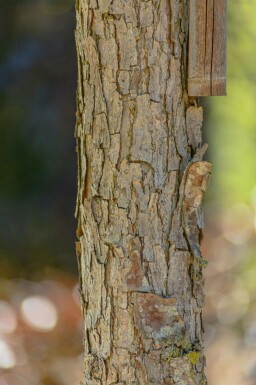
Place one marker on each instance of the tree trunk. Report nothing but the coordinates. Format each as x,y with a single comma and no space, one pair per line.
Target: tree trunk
140,186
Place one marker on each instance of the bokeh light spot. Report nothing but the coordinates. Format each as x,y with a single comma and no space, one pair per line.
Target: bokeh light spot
233,306
56,6
39,313
238,223
7,356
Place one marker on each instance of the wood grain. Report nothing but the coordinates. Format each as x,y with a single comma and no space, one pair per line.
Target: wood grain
207,48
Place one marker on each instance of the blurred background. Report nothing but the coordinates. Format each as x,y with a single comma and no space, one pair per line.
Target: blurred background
40,321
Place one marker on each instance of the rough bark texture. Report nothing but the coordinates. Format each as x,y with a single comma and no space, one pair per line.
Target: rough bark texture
140,187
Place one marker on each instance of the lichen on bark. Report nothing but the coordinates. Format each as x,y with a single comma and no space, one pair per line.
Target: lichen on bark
141,181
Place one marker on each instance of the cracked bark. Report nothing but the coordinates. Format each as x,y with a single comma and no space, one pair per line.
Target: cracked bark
141,181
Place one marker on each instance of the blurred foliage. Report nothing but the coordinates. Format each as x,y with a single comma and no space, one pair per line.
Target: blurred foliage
37,148
231,127
229,243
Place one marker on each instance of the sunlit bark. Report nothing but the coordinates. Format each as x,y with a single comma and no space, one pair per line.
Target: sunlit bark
140,186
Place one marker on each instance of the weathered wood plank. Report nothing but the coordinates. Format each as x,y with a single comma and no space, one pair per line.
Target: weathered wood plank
207,48
219,48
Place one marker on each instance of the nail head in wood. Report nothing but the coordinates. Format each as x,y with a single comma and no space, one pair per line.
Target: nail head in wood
207,48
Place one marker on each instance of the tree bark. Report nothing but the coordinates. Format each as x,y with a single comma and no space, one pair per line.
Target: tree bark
141,181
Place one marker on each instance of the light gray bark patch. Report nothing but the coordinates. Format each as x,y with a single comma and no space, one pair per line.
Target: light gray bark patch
154,80
114,150
180,371
114,107
177,234
180,131
108,54
107,182
159,136
104,5
124,82
157,271
174,158
117,225
146,14
135,279
194,120
168,201
130,174
153,365
101,137
148,252
179,283
126,38
157,317
142,131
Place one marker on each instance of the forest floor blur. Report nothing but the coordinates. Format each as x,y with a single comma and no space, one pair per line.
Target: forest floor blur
41,325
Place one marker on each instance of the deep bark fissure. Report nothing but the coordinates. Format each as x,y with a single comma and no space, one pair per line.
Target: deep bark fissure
140,189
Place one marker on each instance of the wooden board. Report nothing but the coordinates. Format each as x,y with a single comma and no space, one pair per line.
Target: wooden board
207,48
